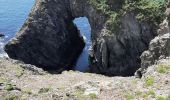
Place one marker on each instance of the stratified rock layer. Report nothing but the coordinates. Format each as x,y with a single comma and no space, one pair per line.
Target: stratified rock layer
49,38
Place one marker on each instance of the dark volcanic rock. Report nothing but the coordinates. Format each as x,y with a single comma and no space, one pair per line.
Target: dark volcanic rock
120,54
2,35
49,38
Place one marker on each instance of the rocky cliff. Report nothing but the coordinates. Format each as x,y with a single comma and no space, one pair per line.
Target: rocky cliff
121,31
20,81
159,47
130,27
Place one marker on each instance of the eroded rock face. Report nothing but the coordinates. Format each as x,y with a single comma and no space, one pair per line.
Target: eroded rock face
119,54
159,47
49,38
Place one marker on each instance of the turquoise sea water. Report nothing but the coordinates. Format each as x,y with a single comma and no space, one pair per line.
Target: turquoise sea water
13,13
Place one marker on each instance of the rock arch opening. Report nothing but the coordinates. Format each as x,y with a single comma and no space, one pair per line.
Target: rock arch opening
51,40
83,25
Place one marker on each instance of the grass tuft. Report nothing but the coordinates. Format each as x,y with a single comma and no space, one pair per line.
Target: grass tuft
149,81
93,95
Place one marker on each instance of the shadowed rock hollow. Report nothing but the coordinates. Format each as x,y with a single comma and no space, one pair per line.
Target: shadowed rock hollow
120,34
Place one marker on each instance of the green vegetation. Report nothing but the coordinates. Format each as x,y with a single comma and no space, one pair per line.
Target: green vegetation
28,91
149,93
93,95
79,95
11,97
2,80
158,86
160,98
149,81
168,98
9,87
129,96
163,68
44,90
14,97
100,5
147,10
19,71
151,11
138,93
144,95
113,23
